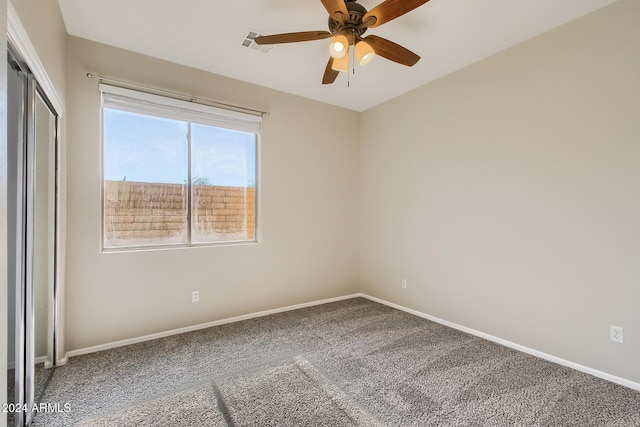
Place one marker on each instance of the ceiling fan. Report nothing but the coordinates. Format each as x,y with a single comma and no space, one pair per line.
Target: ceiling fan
348,21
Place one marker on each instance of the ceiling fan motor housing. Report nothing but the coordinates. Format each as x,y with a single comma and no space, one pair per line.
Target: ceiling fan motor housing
351,25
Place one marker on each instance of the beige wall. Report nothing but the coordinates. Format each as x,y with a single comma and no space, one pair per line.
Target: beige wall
308,248
507,194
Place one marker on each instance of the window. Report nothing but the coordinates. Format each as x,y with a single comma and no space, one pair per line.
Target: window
176,173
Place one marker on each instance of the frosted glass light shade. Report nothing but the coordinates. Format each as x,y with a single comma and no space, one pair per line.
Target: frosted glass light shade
364,53
339,47
341,64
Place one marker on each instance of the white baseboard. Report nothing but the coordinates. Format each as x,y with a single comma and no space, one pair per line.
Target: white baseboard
37,361
130,341
533,352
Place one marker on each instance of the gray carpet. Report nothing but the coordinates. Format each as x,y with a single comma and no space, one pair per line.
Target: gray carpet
293,393
189,408
353,362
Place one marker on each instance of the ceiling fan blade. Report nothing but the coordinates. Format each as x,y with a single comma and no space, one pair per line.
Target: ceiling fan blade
392,51
304,36
337,9
329,73
388,10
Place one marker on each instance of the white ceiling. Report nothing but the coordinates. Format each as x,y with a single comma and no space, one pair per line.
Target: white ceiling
208,34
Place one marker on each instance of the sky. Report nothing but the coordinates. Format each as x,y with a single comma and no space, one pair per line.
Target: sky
144,148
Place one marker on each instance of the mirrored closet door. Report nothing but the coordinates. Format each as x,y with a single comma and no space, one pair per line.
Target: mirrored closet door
32,138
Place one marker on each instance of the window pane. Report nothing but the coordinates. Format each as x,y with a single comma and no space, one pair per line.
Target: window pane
145,180
224,185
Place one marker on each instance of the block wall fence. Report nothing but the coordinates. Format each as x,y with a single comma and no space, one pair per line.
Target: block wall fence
139,213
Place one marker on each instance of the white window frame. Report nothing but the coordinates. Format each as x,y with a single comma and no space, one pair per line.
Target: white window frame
134,101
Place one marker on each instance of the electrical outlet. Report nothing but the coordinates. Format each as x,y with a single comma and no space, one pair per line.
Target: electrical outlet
616,334
195,296
404,283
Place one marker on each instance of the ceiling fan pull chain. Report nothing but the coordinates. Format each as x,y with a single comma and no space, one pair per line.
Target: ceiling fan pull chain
353,59
348,73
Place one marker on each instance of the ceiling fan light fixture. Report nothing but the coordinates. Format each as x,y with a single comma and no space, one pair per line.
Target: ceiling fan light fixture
347,22
364,53
339,46
341,64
